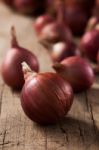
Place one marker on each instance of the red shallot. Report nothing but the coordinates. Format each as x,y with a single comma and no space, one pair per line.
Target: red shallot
11,67
89,44
77,72
46,97
56,30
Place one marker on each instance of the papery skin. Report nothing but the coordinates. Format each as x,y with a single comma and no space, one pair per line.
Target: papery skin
46,98
77,72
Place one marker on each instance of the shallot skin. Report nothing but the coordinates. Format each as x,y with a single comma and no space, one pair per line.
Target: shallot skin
76,19
77,14
89,44
77,72
46,98
11,66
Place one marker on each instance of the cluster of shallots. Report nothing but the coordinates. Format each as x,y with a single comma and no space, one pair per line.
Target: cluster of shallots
20,71
47,97
55,35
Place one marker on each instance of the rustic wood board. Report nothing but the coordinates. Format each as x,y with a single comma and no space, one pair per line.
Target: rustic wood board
78,131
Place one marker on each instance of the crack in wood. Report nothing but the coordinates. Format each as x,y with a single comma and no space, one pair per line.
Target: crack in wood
18,143
87,103
64,132
3,142
92,117
81,134
91,113
4,136
45,139
2,89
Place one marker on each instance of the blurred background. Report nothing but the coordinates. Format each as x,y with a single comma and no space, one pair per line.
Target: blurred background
35,18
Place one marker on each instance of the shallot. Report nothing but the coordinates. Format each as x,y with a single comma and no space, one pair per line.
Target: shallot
77,72
46,97
11,67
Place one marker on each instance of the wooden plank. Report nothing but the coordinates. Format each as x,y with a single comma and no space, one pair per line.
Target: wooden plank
93,102
78,131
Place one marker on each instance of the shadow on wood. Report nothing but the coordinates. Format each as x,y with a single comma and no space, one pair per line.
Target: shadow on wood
76,133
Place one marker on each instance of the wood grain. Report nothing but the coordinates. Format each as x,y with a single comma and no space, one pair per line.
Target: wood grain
78,131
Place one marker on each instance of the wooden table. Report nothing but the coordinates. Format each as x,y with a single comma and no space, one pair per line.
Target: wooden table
78,131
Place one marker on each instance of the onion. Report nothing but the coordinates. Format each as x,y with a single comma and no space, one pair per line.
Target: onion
42,105
76,19
63,50
56,30
77,14
30,6
41,21
11,67
89,44
77,72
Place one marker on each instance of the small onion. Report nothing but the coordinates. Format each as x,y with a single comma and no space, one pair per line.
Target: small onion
89,44
56,30
63,50
41,21
11,66
76,19
77,72
42,105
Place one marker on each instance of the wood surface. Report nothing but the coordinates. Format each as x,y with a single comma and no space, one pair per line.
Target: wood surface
80,128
